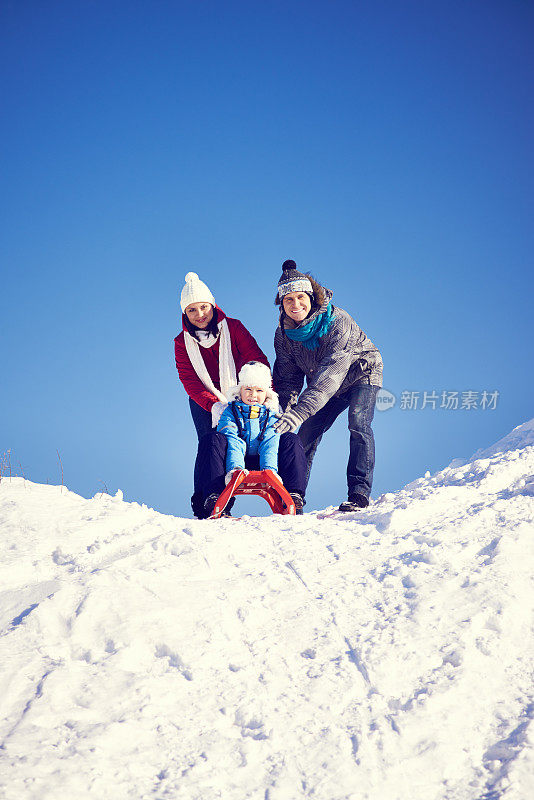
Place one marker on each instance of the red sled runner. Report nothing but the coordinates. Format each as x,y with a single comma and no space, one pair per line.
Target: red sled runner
261,482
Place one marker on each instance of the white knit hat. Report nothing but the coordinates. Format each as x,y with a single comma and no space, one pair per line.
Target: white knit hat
195,291
254,373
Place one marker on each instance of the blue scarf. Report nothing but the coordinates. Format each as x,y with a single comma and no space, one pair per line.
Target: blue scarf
310,335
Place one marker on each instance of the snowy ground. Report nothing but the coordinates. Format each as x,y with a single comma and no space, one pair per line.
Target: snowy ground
383,655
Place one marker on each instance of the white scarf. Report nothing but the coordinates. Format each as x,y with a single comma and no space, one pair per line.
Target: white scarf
227,373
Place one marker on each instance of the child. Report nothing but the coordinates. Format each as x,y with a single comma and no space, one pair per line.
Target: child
246,439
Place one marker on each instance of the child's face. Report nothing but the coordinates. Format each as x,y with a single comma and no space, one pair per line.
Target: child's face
253,394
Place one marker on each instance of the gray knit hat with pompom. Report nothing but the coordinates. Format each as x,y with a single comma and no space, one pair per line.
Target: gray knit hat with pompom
292,280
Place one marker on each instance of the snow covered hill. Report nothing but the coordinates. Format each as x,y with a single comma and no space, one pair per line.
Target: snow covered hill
384,655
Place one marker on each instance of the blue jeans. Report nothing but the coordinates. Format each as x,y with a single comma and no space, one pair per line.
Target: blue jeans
360,400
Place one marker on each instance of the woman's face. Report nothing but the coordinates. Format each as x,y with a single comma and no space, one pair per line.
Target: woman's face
297,305
200,314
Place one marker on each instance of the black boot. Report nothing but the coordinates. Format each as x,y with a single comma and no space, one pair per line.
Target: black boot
197,504
299,502
209,505
354,503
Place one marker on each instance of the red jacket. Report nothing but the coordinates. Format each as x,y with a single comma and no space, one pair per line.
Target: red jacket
244,348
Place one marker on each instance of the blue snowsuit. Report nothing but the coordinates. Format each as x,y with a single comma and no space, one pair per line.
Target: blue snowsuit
247,439
249,431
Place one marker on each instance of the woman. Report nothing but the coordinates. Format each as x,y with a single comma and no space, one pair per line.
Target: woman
209,352
343,369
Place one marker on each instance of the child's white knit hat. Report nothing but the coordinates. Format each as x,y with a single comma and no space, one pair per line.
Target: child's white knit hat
195,291
254,373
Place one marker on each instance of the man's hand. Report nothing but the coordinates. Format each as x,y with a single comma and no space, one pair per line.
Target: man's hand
288,422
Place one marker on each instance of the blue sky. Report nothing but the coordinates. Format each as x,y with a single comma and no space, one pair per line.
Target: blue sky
385,146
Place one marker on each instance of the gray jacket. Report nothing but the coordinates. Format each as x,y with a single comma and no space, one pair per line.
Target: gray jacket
345,355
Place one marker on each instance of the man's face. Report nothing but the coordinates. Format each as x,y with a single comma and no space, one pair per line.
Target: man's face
297,305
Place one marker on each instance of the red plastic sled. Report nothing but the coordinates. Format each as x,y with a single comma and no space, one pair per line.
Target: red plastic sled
261,482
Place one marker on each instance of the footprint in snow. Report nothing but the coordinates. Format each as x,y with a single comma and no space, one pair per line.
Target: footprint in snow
251,724
62,559
162,651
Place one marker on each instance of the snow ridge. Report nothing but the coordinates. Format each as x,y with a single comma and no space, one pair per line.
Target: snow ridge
382,655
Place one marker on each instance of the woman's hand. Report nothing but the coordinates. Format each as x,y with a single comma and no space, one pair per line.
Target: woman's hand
216,411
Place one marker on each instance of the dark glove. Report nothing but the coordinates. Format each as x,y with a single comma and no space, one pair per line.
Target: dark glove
289,421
